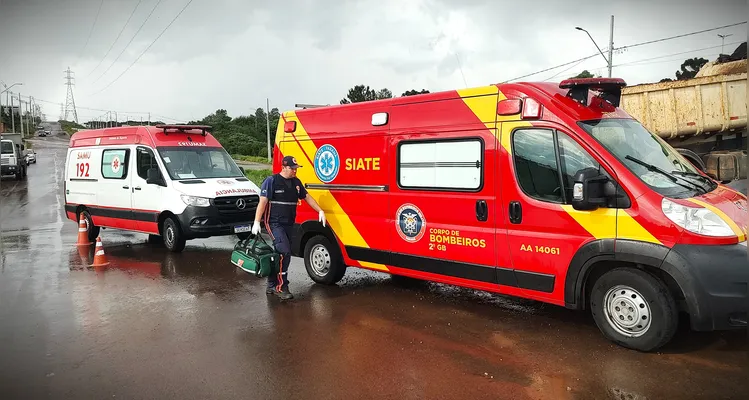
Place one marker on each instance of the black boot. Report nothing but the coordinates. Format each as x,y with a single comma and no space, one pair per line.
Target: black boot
284,294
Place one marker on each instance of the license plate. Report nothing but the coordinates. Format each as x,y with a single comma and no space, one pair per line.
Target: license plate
242,228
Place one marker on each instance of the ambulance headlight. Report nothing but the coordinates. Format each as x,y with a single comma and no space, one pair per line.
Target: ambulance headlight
697,220
195,201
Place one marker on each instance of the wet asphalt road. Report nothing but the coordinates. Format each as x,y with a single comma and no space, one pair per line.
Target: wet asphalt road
191,326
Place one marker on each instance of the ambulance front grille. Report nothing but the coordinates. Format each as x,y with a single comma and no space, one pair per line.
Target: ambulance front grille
4,161
228,205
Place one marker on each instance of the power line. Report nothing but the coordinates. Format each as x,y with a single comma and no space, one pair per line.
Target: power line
116,39
555,67
674,54
625,47
563,71
92,26
661,61
679,36
149,46
131,41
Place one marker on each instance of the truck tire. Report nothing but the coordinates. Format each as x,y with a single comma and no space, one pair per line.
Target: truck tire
323,261
93,230
634,309
174,239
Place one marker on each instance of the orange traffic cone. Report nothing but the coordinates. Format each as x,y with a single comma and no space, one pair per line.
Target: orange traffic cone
100,259
83,233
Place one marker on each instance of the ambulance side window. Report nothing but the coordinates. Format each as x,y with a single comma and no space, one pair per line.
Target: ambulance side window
536,164
114,163
573,158
145,161
453,165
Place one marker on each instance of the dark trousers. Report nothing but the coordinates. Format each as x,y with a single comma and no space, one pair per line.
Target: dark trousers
281,235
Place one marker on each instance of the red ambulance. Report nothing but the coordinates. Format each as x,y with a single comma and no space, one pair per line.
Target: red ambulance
537,190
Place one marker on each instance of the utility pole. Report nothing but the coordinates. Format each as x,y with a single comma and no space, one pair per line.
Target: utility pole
611,46
20,112
12,115
267,124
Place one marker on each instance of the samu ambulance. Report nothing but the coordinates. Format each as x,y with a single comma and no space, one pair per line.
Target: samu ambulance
170,181
537,190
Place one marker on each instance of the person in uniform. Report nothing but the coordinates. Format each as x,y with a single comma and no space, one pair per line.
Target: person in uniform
281,193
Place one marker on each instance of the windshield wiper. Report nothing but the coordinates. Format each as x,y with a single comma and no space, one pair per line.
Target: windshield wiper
673,178
703,178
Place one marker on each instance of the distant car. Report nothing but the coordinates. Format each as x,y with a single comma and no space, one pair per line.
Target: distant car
31,157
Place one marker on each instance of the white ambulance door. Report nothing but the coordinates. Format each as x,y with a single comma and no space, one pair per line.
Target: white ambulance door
146,198
113,208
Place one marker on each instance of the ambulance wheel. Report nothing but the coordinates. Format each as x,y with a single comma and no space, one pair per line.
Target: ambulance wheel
174,240
93,230
323,262
634,309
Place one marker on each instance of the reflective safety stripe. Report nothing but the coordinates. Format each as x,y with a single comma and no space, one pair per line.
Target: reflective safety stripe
288,203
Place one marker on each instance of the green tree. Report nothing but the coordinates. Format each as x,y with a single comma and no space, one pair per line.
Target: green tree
584,74
413,92
361,93
690,67
358,94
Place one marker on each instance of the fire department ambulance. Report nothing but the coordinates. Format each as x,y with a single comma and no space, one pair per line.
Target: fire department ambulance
538,190
170,181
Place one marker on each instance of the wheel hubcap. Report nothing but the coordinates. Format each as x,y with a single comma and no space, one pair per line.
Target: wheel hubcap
320,260
169,235
627,311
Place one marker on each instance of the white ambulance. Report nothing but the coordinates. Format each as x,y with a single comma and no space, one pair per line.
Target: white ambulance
171,181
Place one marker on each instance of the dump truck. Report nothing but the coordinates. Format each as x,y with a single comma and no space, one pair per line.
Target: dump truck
704,118
12,159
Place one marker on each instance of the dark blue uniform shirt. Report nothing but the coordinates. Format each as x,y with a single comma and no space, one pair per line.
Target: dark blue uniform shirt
283,195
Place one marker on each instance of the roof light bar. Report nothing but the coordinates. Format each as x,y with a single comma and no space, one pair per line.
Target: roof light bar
609,89
184,128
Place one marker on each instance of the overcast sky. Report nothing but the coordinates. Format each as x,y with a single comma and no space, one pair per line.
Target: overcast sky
233,54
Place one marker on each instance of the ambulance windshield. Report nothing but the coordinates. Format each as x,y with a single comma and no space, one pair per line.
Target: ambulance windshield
198,163
648,156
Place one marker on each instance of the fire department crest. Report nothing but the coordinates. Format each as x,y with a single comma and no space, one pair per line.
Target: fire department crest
410,223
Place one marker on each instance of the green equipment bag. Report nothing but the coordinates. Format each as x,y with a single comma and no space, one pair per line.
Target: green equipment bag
255,256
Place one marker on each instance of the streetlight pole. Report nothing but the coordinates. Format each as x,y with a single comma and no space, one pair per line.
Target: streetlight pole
723,41
611,44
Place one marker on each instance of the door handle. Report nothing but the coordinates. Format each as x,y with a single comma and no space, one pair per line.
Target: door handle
482,210
516,212
126,187
137,188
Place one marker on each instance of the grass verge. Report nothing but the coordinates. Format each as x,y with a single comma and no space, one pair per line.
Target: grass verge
258,176
257,159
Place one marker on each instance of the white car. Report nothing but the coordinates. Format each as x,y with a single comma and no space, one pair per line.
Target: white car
30,157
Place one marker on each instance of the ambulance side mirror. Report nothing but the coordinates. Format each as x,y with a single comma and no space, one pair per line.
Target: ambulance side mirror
589,190
153,177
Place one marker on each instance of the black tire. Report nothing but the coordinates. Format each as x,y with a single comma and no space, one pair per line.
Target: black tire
174,239
326,265
93,230
641,297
